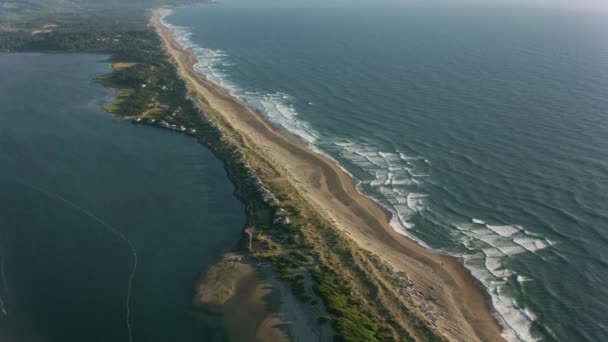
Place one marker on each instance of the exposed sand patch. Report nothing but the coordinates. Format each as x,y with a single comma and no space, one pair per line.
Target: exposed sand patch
41,31
462,310
252,304
122,65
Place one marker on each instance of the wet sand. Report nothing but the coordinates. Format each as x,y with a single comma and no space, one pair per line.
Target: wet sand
460,306
242,299
251,304
122,65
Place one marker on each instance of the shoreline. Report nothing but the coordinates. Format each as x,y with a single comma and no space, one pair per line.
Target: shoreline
248,300
461,308
230,291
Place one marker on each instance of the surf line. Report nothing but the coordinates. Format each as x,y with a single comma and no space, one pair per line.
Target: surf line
110,229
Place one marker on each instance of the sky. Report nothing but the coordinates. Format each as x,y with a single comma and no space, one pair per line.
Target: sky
565,4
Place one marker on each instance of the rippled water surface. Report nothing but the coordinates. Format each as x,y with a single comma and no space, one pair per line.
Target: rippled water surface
482,128
104,226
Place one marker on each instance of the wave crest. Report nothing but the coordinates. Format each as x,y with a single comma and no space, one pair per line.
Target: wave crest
395,179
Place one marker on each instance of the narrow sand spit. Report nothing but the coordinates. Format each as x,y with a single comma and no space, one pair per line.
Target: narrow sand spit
462,308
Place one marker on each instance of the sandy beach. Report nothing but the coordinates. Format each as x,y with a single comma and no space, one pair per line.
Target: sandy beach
252,303
452,295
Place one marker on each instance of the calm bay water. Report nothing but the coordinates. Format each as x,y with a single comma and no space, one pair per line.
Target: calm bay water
82,194
481,127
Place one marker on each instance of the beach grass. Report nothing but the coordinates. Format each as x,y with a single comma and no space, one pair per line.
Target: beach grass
360,294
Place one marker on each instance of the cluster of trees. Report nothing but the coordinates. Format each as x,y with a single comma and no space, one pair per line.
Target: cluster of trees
116,28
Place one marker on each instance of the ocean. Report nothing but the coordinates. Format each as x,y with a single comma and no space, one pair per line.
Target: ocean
481,127
104,226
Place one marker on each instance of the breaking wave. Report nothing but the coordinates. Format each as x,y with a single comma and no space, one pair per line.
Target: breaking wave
276,107
396,180
391,178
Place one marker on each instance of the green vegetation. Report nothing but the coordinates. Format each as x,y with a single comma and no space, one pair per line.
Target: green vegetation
361,297
351,324
118,29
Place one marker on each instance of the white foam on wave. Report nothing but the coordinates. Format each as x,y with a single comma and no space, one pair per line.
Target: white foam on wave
478,221
498,243
390,179
521,279
391,176
397,181
491,272
391,170
415,201
214,65
504,230
532,244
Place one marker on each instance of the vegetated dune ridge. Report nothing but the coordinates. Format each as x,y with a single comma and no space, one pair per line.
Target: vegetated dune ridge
450,293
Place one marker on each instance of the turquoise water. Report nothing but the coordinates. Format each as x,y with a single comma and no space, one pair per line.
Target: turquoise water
481,127
83,194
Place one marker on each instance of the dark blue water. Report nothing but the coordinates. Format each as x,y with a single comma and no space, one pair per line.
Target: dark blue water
483,128
82,194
